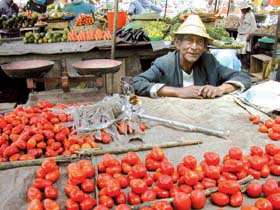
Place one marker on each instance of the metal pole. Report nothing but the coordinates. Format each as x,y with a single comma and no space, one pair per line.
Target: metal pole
165,8
228,7
116,9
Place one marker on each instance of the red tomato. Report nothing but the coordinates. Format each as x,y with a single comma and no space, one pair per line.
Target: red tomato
167,168
41,183
220,199
270,187
138,186
256,174
51,192
232,166
211,158
35,205
50,205
273,135
33,193
254,190
263,204
161,193
275,169
236,199
88,204
276,159
275,200
113,188
198,199
256,162
131,158
269,123
212,172
229,176
122,207
88,185
185,188
263,129
133,198
149,180
272,149
121,198
122,180
71,205
77,196
191,178
165,182
106,201
235,153
255,150
162,205
102,180
138,171
207,183
182,201
152,164
255,119
157,154
190,162
229,187
148,195
265,171
53,176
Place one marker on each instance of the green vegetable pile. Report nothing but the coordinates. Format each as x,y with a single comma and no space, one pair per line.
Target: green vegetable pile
218,33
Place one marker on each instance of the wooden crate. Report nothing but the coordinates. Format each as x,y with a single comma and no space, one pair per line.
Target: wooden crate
259,62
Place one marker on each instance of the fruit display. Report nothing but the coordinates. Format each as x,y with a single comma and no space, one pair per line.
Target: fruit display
227,45
42,194
88,35
269,127
48,37
218,33
118,182
156,29
267,29
17,22
231,21
84,19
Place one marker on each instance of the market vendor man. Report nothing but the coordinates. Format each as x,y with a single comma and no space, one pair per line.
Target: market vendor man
138,7
190,71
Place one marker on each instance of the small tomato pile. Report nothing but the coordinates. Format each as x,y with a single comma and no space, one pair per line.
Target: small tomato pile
80,185
271,127
42,193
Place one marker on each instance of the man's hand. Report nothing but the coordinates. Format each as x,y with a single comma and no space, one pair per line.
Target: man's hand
209,91
189,92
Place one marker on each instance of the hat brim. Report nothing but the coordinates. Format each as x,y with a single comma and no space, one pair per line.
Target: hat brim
194,33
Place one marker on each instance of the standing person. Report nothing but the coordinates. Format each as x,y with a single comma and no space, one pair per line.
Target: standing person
8,8
246,27
137,7
190,71
77,7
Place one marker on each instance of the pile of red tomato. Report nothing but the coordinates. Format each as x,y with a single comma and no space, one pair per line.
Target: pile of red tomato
42,193
271,127
132,181
32,132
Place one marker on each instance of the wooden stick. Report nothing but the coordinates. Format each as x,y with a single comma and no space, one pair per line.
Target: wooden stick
187,127
96,152
208,192
144,147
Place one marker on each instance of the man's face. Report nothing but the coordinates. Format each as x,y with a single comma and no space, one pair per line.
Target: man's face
191,47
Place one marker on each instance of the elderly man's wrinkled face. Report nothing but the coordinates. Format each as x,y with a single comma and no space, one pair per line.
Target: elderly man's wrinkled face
191,47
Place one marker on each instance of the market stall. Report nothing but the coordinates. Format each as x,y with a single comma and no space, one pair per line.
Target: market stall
19,180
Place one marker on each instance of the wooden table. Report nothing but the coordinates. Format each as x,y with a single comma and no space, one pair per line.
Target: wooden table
67,53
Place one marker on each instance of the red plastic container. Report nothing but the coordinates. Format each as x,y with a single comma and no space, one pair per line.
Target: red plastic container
122,18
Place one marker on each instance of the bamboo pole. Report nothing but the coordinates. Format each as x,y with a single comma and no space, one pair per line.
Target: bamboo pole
165,9
208,192
116,10
187,127
97,152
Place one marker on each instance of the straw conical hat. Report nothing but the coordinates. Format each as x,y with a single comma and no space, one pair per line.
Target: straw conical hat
193,25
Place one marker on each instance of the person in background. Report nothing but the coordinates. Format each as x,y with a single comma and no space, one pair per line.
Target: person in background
39,6
137,7
246,27
77,7
8,8
227,57
190,71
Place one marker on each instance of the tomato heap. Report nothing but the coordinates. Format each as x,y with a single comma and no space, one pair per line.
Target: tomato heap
31,132
42,193
80,185
271,127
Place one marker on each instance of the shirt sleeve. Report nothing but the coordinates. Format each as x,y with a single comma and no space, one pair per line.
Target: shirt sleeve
154,89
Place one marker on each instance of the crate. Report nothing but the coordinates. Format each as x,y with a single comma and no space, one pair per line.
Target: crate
259,62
